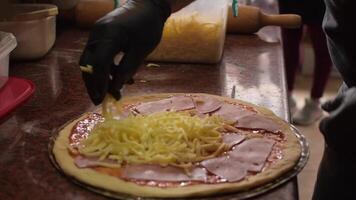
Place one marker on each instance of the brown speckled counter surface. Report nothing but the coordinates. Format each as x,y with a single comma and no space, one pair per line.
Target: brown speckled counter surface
251,62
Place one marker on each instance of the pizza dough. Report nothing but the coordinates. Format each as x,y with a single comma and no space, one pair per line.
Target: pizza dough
290,151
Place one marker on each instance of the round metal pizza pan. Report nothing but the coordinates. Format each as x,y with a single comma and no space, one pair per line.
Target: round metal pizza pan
231,196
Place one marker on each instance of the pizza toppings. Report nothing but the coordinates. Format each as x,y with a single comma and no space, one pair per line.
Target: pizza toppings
205,104
253,153
168,138
175,103
83,162
86,162
83,128
258,122
162,145
154,106
159,173
180,103
233,139
226,168
232,113
126,112
249,156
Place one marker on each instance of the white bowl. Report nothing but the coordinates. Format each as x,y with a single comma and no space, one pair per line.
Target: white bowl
34,26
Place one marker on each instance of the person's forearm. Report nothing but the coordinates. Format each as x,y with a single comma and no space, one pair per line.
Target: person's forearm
179,4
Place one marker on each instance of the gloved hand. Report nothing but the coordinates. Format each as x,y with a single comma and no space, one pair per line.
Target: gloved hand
134,29
339,127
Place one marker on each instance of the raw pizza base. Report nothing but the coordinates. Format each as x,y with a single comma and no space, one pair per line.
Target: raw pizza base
291,152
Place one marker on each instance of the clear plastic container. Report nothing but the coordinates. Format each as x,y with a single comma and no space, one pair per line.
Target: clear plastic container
196,34
7,44
34,26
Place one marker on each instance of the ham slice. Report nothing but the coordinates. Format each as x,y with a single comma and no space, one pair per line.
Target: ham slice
85,162
232,139
154,106
82,162
232,113
258,122
249,156
207,104
176,103
125,114
253,153
180,103
159,173
226,168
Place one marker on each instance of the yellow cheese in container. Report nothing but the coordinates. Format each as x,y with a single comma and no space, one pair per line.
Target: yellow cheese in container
196,34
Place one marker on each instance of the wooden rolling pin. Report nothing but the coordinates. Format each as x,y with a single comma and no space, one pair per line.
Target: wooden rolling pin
87,12
251,19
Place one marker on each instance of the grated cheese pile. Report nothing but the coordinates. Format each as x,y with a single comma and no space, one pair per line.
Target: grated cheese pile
190,38
167,138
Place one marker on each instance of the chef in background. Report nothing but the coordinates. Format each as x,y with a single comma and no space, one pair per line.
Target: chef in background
312,13
136,28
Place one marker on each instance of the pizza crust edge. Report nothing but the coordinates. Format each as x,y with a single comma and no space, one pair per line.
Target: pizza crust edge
112,184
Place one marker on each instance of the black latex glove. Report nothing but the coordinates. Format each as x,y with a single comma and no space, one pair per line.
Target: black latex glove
134,29
339,127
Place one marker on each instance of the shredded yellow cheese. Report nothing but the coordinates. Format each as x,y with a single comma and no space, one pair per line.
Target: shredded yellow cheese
108,107
167,138
190,38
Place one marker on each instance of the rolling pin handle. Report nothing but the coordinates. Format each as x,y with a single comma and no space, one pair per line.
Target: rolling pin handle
283,20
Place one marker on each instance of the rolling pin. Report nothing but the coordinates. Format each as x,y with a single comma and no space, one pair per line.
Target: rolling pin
251,19
87,12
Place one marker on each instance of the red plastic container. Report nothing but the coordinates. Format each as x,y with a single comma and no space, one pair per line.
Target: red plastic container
13,94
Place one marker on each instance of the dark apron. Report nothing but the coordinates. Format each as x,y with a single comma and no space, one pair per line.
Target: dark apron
336,177
311,11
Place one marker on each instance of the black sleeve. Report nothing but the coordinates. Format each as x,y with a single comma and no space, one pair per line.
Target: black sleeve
339,27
